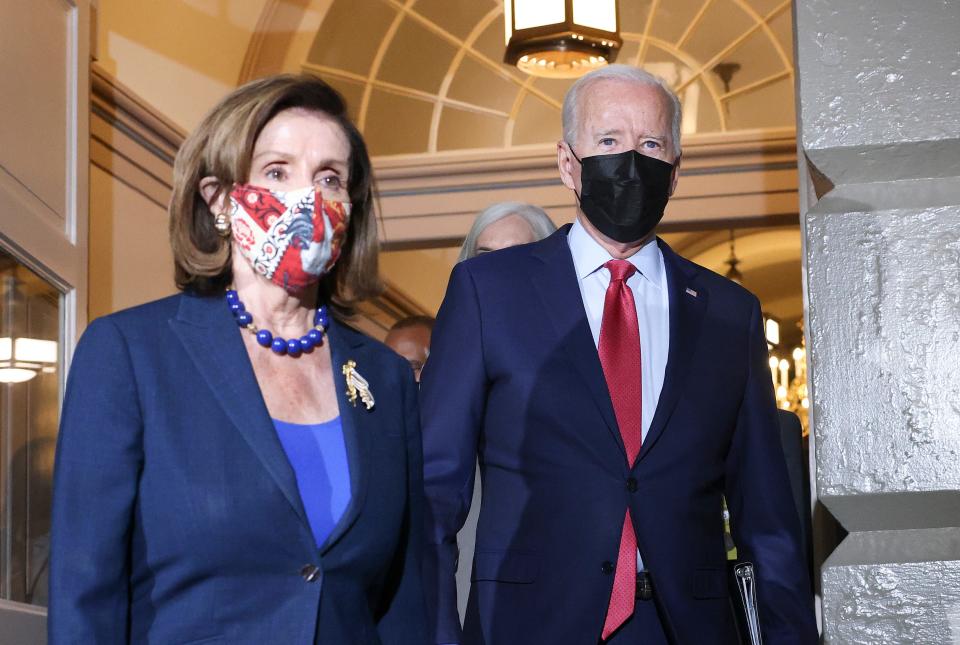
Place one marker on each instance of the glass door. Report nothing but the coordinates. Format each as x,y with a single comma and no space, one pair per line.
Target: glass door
30,367
44,162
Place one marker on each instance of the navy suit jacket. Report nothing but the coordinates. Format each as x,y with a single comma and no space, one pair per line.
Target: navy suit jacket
176,515
515,380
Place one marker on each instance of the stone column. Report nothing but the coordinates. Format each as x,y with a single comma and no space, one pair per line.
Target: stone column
879,129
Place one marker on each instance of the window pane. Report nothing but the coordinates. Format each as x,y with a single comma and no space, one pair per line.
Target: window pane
29,413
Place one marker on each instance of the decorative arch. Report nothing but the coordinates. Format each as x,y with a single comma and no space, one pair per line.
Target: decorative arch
641,38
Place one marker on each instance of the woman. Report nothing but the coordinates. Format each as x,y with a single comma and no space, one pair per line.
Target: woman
503,225
234,464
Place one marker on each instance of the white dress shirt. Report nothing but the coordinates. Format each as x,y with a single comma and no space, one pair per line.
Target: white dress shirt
649,287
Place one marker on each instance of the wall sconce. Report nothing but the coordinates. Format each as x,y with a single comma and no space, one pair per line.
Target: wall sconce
561,38
22,358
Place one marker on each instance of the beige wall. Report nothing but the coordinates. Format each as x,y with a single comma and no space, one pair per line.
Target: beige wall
131,156
182,56
130,259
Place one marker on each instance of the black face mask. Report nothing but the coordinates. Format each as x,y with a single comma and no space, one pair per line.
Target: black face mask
624,194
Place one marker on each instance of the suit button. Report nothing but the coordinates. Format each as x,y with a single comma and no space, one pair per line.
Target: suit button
632,485
310,572
607,567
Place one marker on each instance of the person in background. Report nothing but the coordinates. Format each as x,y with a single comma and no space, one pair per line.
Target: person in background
503,225
235,464
410,337
613,393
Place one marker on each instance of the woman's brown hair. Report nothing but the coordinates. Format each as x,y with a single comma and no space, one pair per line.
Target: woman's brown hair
222,147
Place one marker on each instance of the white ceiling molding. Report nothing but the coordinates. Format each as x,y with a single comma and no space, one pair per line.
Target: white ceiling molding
746,178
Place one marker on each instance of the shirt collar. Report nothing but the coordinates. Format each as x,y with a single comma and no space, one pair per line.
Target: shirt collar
589,256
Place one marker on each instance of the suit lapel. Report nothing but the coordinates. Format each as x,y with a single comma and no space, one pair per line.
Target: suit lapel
556,285
357,422
212,339
687,306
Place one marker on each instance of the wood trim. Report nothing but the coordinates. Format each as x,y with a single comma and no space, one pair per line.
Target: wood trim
428,200
251,59
131,140
378,315
139,116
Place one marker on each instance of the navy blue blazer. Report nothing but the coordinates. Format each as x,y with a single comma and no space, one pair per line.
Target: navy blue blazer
514,378
176,515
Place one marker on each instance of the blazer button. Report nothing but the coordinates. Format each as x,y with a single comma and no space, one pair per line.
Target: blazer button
632,485
310,572
607,567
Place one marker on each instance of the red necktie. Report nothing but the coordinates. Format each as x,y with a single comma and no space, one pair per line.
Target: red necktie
619,349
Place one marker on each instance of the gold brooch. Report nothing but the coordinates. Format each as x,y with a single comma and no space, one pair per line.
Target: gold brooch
357,385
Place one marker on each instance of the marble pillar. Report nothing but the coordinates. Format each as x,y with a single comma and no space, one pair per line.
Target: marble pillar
879,132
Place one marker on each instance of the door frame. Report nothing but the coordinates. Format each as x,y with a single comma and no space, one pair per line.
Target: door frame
50,242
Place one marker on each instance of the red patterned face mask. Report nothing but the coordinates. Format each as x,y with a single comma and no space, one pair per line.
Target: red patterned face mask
291,238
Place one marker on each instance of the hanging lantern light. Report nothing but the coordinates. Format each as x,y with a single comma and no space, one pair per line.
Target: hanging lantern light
733,273
22,358
561,38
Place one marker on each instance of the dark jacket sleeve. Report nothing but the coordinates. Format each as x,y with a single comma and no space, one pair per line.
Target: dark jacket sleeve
452,395
763,517
404,621
98,463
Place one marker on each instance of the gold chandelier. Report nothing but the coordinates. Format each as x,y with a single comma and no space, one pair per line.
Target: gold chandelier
790,383
561,38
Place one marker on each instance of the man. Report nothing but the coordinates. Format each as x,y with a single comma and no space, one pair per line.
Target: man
498,226
613,393
410,337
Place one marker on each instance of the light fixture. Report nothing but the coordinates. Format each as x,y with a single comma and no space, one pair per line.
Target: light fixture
733,273
726,71
561,38
791,390
22,358
771,330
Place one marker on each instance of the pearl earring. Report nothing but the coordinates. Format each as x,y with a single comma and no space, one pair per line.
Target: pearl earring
221,222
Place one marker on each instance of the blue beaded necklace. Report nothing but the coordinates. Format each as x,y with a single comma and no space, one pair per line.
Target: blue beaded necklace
293,347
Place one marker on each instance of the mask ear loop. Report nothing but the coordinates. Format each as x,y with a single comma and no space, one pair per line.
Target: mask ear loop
676,164
570,148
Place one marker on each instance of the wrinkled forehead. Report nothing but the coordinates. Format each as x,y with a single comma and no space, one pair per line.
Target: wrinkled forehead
299,127
619,103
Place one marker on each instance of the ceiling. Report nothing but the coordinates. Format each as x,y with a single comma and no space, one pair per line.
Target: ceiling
436,67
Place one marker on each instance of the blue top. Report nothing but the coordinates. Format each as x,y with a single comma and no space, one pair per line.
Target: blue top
318,455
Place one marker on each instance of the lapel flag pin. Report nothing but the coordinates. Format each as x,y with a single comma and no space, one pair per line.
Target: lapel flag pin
357,385
691,292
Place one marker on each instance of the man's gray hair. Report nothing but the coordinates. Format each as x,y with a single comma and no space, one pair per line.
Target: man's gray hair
539,222
628,73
